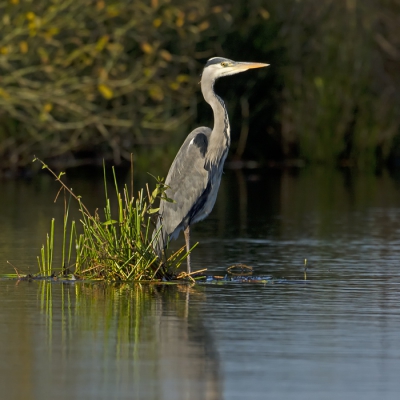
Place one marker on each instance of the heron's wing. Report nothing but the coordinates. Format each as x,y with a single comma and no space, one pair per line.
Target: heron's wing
188,180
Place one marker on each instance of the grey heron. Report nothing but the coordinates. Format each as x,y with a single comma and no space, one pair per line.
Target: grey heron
195,174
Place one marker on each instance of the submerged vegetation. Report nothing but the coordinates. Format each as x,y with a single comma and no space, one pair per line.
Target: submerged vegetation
115,247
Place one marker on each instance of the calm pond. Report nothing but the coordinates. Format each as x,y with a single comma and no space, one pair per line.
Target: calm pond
336,336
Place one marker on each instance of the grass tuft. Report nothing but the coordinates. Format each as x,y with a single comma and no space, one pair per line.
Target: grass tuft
114,246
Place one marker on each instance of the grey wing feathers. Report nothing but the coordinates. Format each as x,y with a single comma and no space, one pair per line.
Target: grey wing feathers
188,180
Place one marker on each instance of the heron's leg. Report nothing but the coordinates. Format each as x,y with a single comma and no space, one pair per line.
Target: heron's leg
187,239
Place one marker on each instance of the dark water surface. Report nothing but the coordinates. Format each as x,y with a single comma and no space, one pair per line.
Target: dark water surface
336,336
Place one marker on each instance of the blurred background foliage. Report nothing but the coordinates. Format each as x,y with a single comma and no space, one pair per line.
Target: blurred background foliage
91,79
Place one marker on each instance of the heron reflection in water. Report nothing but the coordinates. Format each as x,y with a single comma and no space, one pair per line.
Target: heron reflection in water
195,173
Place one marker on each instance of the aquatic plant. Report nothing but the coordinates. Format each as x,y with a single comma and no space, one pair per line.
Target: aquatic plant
108,247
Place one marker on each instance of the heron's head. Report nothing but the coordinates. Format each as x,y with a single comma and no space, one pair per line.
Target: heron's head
218,67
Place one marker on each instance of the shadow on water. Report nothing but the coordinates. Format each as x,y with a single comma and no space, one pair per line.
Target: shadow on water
91,340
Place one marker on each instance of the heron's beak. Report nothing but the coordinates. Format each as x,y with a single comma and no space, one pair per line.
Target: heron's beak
244,66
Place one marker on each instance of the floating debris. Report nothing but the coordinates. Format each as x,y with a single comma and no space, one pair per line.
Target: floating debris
235,279
241,269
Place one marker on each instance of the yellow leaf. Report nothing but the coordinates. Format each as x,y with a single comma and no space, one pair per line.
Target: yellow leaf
147,72
216,9
182,78
52,31
180,20
30,16
4,50
174,85
100,5
156,93
47,107
204,25
112,11
23,47
319,82
102,42
4,94
146,47
157,22
106,92
103,74
166,55
264,13
14,1
6,19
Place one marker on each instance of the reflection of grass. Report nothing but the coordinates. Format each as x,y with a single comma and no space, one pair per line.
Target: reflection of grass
112,248
118,307
121,340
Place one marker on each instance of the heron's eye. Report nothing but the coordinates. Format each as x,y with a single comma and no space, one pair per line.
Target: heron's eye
224,64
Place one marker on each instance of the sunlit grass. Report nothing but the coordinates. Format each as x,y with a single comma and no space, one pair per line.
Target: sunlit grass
110,246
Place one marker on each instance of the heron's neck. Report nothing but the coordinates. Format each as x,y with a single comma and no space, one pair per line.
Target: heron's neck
220,138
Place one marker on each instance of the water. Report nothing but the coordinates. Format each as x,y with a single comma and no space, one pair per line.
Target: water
334,336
